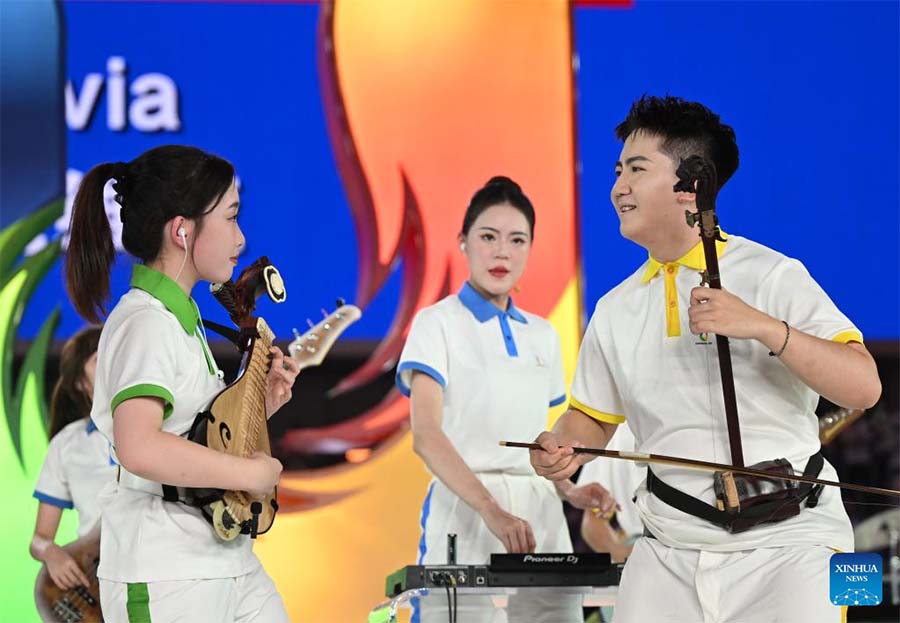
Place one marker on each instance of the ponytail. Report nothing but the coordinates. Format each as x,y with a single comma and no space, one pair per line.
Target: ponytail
91,251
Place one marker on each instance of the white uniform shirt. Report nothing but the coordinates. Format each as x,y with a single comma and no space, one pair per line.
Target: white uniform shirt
499,370
152,345
640,362
77,467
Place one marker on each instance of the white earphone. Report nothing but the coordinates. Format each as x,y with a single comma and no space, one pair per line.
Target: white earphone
462,246
182,233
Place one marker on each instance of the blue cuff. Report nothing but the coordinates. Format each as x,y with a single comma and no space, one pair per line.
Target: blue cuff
49,499
558,401
421,367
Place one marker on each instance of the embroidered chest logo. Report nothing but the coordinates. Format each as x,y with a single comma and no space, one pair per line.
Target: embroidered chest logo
702,339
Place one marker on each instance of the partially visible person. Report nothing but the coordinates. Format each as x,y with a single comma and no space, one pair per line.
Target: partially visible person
616,530
78,464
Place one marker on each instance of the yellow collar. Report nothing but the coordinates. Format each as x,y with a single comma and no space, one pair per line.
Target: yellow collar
692,259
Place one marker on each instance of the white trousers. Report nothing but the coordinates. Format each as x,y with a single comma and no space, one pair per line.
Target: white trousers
767,585
250,598
530,497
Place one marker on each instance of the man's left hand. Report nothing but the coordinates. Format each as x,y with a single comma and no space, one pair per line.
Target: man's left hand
723,313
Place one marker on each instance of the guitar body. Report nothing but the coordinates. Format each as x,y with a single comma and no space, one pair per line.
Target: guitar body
236,421
834,422
236,424
80,604
234,500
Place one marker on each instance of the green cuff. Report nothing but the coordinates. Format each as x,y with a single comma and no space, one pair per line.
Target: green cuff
145,390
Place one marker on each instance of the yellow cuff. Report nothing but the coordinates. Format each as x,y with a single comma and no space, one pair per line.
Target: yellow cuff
597,415
848,336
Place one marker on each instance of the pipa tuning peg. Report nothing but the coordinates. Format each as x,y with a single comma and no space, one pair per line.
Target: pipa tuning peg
341,302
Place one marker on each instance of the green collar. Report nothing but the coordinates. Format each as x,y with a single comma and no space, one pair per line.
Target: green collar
168,293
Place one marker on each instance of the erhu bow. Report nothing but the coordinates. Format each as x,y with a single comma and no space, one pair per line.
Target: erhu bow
707,466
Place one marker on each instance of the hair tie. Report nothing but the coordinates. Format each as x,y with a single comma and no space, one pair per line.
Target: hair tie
120,170
120,175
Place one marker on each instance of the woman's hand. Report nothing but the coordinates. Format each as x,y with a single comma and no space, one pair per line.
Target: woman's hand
63,569
280,380
514,532
590,497
264,474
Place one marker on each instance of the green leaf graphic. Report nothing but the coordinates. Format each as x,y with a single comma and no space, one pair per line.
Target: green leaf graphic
23,410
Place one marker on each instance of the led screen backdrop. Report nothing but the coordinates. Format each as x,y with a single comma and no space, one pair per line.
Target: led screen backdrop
810,88
359,131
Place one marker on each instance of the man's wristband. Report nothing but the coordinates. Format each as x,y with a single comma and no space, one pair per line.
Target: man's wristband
787,336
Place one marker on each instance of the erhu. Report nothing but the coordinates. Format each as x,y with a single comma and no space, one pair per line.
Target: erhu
749,500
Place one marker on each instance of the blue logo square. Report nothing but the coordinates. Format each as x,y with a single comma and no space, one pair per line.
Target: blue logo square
855,579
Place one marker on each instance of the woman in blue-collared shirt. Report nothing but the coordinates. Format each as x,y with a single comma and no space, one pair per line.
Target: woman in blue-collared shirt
477,370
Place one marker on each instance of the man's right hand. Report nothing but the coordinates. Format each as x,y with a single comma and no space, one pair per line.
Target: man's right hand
554,461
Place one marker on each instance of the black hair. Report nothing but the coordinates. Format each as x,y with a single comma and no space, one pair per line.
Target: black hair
160,184
498,190
686,129
70,400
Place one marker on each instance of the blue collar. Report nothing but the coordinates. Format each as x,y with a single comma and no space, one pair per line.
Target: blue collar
91,427
484,310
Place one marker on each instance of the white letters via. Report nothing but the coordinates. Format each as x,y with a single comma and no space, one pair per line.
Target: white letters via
153,106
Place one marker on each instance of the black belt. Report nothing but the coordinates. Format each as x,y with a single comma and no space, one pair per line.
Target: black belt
698,508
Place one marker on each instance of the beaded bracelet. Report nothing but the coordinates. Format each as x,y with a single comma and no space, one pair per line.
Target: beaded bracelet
787,336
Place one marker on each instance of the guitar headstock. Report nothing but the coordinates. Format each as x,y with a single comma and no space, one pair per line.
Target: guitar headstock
310,348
